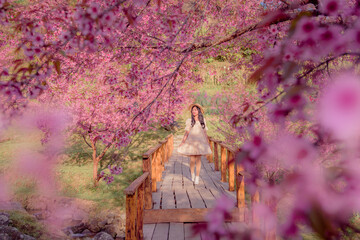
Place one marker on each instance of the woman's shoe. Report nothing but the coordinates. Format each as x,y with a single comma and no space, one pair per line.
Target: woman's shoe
193,177
197,180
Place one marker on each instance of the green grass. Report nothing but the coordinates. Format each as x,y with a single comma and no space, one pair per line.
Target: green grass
27,224
74,175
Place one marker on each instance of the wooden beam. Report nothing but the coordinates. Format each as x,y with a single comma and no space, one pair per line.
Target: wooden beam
140,212
255,198
223,164
240,186
148,193
153,171
211,156
130,216
152,150
131,189
185,215
216,156
231,163
146,164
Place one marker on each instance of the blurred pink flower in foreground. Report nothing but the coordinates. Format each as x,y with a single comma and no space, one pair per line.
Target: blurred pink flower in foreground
339,107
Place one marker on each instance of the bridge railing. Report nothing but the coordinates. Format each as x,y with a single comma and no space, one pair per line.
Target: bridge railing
228,168
138,193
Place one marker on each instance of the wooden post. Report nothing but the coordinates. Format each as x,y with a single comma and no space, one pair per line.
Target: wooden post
270,233
158,165
140,212
153,171
168,149
216,156
212,152
148,194
130,216
255,219
162,160
165,151
240,186
223,164
146,164
171,144
231,162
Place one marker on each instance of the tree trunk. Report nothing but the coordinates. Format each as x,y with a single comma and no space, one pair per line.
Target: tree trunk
95,164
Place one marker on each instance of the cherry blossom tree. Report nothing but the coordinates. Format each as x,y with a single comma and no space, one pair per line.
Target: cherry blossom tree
300,49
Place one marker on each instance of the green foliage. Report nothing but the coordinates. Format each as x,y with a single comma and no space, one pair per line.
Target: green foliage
209,60
24,188
75,172
27,224
79,153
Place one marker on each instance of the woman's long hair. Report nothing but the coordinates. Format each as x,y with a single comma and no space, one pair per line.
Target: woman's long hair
200,116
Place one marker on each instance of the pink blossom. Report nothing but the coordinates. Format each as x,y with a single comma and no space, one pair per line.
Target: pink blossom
305,28
353,37
65,36
5,72
94,10
288,151
216,217
29,52
2,2
140,3
339,107
329,38
273,29
331,7
108,18
255,147
38,39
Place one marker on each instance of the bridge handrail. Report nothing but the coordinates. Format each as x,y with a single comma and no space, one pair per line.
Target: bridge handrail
227,165
138,193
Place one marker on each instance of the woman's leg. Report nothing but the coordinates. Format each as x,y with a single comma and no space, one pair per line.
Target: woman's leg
192,164
198,165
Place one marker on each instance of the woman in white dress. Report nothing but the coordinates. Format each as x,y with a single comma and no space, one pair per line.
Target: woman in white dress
195,142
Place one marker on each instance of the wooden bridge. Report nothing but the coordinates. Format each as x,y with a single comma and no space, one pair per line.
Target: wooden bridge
164,203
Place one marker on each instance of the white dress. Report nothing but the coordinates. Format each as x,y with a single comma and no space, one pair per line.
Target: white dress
196,143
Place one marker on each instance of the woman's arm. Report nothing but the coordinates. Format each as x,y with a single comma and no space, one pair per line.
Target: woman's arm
185,137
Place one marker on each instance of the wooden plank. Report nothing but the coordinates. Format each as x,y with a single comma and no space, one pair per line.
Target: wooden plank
195,199
186,175
189,233
176,231
156,200
177,167
131,189
168,201
182,199
182,215
130,216
177,182
208,198
148,230
161,231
